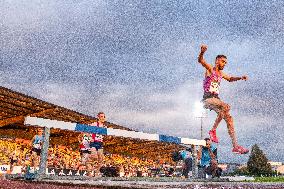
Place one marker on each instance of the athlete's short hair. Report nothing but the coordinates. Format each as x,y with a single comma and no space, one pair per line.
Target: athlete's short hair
100,113
220,56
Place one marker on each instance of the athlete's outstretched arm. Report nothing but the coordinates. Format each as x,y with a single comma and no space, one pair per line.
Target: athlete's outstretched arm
232,78
201,59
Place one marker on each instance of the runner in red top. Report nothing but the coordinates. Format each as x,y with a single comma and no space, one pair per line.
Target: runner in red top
96,144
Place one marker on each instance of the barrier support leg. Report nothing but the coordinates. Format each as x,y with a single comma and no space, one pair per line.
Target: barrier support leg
43,155
194,162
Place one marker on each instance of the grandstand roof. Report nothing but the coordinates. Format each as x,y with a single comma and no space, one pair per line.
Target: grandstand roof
15,106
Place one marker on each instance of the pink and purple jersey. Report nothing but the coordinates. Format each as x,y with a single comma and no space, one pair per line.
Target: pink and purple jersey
211,84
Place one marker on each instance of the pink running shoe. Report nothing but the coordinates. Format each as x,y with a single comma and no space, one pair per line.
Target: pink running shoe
213,136
240,150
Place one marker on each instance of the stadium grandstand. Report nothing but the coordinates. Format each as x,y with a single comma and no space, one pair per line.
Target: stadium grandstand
125,153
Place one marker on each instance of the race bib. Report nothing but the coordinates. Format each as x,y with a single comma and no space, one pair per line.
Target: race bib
99,137
86,137
37,146
214,87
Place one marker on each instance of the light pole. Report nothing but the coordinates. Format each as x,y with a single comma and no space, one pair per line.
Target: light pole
200,112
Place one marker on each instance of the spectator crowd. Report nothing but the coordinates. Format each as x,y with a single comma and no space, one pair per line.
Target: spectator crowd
17,152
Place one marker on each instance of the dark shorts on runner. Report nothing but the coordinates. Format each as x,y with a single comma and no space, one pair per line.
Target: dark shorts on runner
213,102
12,161
97,145
84,152
37,150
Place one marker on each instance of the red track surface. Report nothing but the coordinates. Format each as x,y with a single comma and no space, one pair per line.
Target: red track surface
20,184
17,184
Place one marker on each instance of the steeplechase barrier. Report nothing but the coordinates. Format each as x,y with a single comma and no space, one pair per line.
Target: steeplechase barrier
77,127
35,121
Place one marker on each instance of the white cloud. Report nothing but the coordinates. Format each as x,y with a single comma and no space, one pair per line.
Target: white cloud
170,112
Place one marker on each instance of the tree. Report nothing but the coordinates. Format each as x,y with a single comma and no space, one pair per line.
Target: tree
257,163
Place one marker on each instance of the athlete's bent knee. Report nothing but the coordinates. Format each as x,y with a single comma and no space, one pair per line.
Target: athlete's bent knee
221,114
227,108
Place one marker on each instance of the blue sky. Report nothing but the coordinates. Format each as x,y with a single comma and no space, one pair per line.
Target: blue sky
137,62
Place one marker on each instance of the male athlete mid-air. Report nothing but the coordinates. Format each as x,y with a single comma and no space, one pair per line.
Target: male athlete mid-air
211,100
